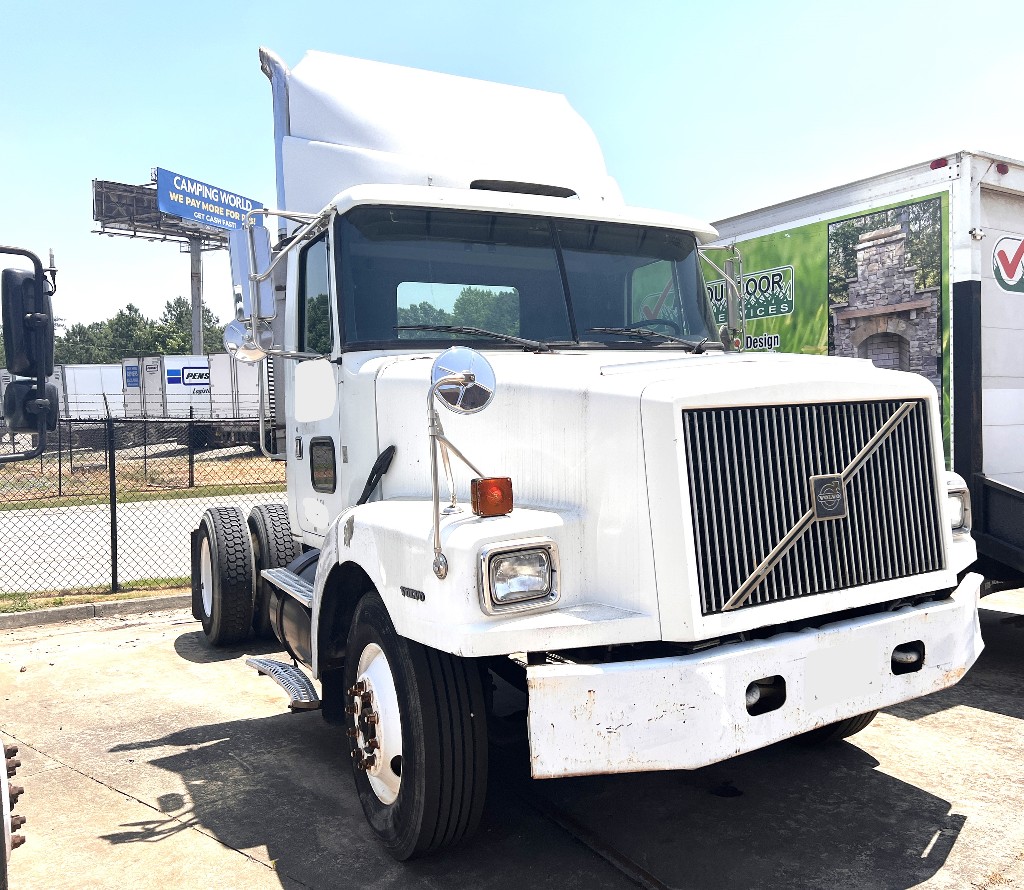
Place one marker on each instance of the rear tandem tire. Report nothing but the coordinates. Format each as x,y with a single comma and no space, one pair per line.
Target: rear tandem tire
428,743
836,732
225,568
273,546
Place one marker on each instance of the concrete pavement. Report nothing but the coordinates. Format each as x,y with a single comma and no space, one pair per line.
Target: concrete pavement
151,760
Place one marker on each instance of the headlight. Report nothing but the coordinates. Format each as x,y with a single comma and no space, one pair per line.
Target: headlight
960,510
518,575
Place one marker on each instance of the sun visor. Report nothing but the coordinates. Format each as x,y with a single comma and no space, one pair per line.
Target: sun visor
371,122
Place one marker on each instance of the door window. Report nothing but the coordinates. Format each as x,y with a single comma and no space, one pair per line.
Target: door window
314,299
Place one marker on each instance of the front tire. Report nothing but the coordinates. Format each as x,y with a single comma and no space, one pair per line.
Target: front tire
225,576
273,546
418,736
836,732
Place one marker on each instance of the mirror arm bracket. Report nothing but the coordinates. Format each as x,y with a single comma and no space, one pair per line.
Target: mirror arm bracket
736,286
439,442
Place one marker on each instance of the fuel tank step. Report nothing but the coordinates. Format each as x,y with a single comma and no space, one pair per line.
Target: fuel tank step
291,679
290,583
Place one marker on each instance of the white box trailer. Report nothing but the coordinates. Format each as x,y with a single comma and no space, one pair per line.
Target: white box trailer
161,386
918,269
234,388
89,392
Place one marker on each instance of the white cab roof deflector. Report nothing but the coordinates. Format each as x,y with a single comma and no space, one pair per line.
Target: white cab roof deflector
345,122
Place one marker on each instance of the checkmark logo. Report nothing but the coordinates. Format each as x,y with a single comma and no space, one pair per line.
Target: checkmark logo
1008,264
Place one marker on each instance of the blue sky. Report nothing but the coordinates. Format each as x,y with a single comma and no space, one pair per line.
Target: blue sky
704,109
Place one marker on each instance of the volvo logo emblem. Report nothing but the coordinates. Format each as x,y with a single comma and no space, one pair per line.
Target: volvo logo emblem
828,497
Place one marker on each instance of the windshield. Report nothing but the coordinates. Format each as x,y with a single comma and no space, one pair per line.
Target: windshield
553,281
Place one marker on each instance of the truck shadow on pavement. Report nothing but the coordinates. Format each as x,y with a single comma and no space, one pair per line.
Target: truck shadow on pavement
279,788
194,648
994,683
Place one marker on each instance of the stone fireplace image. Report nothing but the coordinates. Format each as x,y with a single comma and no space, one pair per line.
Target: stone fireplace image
885,289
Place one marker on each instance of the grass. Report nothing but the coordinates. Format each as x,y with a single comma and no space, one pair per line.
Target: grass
26,601
130,497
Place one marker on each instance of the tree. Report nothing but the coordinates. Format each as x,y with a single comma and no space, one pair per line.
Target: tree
131,333
479,308
174,329
83,344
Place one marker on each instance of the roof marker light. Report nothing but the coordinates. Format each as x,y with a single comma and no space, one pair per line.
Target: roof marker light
1002,169
939,163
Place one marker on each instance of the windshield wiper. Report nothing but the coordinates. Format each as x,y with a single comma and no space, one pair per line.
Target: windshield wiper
478,332
646,334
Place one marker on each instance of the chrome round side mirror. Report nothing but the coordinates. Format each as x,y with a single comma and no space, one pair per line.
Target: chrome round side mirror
471,394
239,343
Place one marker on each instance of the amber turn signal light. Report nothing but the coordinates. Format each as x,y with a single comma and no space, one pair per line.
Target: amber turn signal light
492,496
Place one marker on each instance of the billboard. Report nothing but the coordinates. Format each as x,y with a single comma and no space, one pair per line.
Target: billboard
200,202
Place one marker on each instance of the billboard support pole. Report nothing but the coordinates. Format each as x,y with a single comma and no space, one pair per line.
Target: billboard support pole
195,256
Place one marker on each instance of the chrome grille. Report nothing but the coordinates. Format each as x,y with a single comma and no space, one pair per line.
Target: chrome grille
749,470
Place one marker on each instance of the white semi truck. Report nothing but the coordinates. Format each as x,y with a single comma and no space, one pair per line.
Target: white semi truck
517,448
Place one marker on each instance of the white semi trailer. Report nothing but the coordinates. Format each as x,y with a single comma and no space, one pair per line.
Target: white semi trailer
516,447
922,269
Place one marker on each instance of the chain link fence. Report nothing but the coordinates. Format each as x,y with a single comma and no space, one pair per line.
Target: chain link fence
111,503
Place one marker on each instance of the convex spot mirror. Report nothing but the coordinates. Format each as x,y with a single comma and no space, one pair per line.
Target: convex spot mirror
24,296
464,398
18,397
243,253
239,342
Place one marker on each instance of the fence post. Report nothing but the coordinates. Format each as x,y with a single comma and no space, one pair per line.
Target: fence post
112,464
60,462
191,448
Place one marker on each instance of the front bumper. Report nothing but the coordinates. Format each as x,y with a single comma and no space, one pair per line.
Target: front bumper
690,711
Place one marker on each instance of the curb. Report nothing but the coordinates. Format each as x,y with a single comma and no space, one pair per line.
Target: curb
109,609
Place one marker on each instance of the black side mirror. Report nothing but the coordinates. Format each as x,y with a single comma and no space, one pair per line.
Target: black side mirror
30,406
28,323
22,407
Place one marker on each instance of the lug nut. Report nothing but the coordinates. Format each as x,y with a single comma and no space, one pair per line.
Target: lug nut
367,763
17,822
351,732
373,718
352,709
367,698
10,750
357,689
372,744
12,766
356,754
16,841
15,792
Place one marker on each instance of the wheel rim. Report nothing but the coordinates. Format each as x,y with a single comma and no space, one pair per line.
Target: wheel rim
378,724
256,558
206,577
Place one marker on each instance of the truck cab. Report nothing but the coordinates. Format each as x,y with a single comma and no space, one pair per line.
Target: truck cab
518,447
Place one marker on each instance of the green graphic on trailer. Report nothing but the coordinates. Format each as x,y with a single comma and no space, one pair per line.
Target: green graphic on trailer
784,286
873,286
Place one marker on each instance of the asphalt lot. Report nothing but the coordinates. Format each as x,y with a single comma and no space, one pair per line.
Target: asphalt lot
151,760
